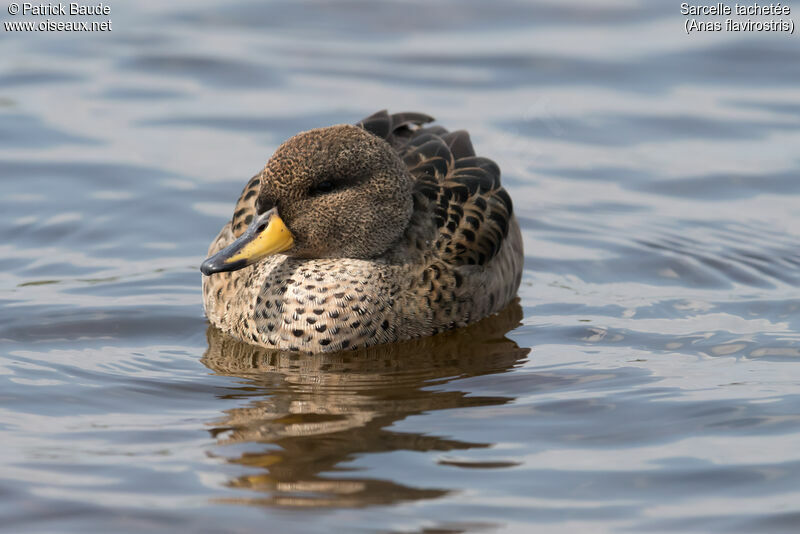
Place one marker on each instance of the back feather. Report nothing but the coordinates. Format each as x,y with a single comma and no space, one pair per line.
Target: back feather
471,209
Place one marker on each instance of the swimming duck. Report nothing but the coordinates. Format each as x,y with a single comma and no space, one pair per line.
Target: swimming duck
357,235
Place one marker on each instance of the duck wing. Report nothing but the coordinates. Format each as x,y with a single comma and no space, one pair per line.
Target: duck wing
472,211
396,128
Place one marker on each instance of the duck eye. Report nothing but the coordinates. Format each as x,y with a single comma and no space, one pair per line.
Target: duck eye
324,187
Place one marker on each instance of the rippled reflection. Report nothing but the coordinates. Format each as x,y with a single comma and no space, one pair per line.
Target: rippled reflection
314,413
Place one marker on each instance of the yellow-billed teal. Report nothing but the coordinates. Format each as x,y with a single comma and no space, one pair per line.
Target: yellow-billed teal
353,236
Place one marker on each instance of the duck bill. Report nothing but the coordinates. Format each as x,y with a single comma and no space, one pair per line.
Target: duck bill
266,235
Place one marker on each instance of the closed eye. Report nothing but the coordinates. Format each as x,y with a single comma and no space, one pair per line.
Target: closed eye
323,187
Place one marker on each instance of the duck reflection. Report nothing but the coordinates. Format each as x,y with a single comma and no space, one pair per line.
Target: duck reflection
314,413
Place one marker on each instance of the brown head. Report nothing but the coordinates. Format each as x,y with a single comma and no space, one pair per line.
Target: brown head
341,191
330,192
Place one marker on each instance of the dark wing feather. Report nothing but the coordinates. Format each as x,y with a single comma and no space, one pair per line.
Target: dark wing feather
396,128
459,143
245,207
471,209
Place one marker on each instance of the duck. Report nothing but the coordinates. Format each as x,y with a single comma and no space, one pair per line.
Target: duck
356,235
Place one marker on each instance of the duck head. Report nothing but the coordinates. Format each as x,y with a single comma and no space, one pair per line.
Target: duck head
336,192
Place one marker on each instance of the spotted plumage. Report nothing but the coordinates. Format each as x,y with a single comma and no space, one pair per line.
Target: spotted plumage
400,232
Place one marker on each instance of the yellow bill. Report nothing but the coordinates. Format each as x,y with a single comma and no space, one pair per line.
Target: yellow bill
266,235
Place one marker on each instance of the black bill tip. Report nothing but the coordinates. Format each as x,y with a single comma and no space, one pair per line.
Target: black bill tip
217,264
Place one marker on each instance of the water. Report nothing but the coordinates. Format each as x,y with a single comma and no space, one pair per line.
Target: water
646,382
